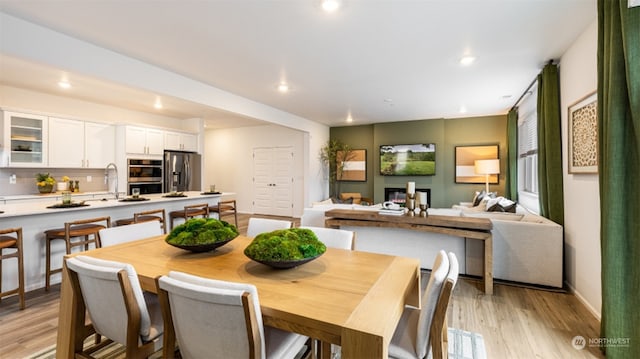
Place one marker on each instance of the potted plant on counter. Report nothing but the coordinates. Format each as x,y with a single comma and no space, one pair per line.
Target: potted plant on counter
45,182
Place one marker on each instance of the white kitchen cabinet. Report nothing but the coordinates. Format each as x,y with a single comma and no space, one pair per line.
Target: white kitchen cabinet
24,140
100,144
144,141
180,141
80,144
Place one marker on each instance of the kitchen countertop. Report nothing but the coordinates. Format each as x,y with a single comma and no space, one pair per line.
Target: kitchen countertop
37,204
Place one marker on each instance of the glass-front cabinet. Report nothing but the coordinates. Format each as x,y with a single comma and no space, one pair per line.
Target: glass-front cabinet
24,140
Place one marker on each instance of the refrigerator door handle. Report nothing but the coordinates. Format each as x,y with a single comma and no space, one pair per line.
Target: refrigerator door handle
187,178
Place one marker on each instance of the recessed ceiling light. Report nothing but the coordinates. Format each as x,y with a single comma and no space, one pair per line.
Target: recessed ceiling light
463,109
467,60
349,118
330,5
158,104
64,84
283,87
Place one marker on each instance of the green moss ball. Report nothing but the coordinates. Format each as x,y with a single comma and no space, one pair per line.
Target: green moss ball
198,231
285,245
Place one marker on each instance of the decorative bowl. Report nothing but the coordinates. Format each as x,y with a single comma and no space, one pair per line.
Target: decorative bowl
202,234
286,264
199,248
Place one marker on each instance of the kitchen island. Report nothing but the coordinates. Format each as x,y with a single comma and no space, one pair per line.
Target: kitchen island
31,213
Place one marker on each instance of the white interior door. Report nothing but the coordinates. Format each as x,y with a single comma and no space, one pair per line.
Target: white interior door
273,181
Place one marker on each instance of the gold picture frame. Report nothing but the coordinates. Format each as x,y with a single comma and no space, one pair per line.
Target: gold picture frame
583,135
465,163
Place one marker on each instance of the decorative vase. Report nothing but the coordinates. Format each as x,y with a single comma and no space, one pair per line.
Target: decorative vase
48,188
63,186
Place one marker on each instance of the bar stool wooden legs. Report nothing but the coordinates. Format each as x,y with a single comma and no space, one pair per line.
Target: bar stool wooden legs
87,229
13,243
191,211
225,208
146,216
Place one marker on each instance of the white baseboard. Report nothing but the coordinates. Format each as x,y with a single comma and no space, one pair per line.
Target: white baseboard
596,313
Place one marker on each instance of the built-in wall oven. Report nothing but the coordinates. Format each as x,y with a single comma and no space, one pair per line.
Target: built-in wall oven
144,174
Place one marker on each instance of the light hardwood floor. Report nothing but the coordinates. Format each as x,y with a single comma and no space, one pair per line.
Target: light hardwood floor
515,322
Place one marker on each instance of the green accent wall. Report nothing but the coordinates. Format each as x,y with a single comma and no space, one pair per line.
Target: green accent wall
446,134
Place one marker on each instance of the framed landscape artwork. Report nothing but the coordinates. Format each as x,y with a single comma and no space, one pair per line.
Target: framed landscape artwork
465,163
583,135
355,166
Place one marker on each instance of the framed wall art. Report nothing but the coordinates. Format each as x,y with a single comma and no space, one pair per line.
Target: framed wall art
354,167
465,163
583,135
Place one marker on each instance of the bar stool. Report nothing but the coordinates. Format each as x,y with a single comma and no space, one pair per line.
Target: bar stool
83,228
191,211
225,208
146,216
15,243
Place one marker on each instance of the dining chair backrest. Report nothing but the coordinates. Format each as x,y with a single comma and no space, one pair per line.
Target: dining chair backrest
110,290
334,238
262,225
430,299
208,313
439,345
131,232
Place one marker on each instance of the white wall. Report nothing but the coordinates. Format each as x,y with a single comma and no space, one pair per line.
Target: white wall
578,78
229,162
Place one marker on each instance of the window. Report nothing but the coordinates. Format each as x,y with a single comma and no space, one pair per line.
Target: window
528,150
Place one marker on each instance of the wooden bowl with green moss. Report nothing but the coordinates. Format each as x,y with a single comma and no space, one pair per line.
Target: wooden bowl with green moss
285,248
202,234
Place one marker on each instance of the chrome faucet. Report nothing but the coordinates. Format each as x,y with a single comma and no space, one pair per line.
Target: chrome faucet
106,177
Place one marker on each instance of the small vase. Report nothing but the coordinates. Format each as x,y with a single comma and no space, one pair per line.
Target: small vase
63,186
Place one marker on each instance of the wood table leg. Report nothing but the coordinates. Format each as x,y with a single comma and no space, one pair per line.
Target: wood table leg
67,318
488,265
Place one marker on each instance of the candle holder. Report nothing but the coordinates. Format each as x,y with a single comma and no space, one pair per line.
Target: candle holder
411,205
423,210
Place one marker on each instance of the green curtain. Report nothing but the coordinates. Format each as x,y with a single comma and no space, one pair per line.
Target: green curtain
550,192
619,168
511,175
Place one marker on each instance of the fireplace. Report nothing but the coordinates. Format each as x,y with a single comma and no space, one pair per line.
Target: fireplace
398,195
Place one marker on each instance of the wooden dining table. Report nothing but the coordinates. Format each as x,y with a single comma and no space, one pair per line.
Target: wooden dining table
349,298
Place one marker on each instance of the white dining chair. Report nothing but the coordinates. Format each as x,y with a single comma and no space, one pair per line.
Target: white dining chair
111,293
439,330
261,225
220,319
334,238
131,232
413,337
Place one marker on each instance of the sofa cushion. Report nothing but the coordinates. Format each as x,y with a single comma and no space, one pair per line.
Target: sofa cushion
320,203
504,216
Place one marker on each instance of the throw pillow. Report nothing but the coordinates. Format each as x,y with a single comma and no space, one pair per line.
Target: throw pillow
501,204
345,201
478,197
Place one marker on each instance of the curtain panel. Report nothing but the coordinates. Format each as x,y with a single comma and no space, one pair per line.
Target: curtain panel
619,171
511,186
550,190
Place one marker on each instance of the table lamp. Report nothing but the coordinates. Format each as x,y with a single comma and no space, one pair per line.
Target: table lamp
486,168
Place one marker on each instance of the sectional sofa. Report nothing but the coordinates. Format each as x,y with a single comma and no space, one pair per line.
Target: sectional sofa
527,248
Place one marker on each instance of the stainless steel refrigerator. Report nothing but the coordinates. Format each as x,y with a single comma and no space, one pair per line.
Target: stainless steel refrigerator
181,171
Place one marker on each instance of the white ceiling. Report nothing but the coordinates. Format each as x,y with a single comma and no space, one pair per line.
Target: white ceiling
378,60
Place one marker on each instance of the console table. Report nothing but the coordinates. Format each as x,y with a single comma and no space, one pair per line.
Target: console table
466,227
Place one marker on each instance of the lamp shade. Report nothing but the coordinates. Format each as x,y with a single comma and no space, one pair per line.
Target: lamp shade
485,167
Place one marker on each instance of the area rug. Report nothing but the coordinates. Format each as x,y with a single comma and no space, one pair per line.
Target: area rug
111,351
466,345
